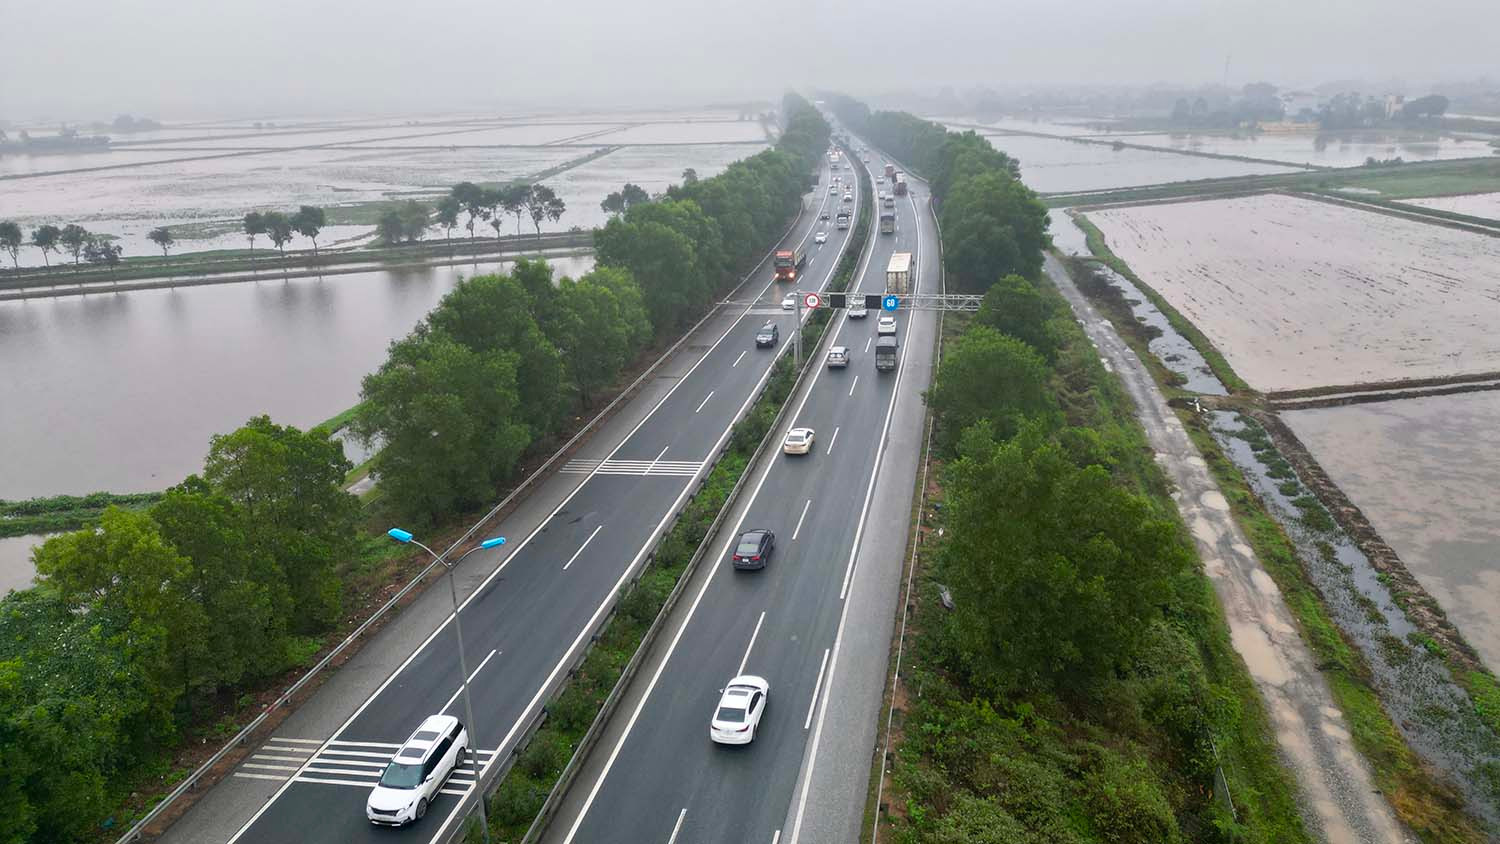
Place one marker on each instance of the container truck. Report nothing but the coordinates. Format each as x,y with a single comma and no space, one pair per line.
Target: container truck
788,262
898,274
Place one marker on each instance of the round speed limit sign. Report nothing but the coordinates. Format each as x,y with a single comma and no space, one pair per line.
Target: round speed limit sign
812,300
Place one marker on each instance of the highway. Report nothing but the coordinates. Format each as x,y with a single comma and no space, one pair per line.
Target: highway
657,777
525,623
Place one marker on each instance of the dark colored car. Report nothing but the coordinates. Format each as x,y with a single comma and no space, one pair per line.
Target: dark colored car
767,335
754,549
823,216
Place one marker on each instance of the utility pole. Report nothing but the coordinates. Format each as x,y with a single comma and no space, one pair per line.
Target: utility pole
797,333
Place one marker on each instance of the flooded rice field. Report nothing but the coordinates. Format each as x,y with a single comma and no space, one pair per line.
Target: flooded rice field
1326,150
204,198
1073,126
16,569
1474,204
1169,346
1425,472
1050,165
1067,237
120,392
1415,686
1298,293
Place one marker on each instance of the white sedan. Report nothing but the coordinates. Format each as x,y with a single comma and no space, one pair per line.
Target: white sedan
886,325
820,237
789,303
740,707
798,441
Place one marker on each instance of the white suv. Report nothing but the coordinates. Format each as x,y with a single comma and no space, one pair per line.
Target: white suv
418,771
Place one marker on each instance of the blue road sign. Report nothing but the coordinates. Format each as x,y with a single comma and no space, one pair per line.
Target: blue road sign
890,303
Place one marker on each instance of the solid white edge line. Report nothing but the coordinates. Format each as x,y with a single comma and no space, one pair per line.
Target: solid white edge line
812,705
833,439
798,528
730,537
267,757
838,639
581,547
676,828
705,400
753,634
776,837
513,554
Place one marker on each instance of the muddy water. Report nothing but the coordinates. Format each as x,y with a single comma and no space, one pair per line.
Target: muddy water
16,569
1067,237
1169,346
121,392
1434,715
1425,472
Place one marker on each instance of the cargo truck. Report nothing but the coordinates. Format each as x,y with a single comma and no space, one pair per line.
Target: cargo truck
788,262
887,221
890,172
842,221
885,353
900,186
898,274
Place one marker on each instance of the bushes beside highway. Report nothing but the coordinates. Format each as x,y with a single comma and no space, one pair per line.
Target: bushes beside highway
142,623
1082,687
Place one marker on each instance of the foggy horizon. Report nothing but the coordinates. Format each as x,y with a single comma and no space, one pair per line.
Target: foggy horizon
278,58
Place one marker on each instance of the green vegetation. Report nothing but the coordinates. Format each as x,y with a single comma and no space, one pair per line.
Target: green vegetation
156,616
1433,810
1082,687
65,512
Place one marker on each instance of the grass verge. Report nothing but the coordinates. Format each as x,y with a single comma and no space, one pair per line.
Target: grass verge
65,512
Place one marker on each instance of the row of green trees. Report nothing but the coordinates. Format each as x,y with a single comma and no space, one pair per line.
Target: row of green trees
504,359
536,202
138,624
279,227
73,239
1065,697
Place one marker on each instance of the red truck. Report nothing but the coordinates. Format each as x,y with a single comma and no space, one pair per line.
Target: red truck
788,262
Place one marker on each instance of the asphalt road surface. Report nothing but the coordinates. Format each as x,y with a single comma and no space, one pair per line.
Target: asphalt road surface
525,623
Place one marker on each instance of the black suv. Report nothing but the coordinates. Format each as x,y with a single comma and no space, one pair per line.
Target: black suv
754,549
767,335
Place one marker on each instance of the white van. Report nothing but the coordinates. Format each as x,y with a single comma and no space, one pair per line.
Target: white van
418,771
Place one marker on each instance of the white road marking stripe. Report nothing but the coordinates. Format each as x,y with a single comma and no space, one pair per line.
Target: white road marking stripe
867,344
269,767
359,762
776,837
471,677
855,384
295,740
753,634
267,757
832,440
581,547
676,828
705,400
340,753
658,459
798,529
259,776
812,705
738,359
332,782
353,772
364,744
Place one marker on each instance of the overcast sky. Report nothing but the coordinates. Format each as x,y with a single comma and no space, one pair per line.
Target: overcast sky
90,59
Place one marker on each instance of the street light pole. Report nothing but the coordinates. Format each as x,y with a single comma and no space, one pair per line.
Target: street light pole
463,664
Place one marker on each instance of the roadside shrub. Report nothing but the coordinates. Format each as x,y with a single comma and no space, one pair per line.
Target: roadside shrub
1125,803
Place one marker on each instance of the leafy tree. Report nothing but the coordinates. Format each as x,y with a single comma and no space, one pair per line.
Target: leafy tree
390,227
1432,105
996,227
278,229
470,197
1015,308
514,198
308,221
10,241
255,225
662,259
988,377
689,176
449,418
448,209
620,201
289,485
74,238
414,220
46,239
592,333
102,251
1056,570
162,236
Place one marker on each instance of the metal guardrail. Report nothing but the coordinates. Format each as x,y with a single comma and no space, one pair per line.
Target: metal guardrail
627,674
137,830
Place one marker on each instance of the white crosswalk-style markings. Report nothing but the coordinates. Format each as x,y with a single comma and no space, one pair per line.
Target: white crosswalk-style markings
353,763
654,468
